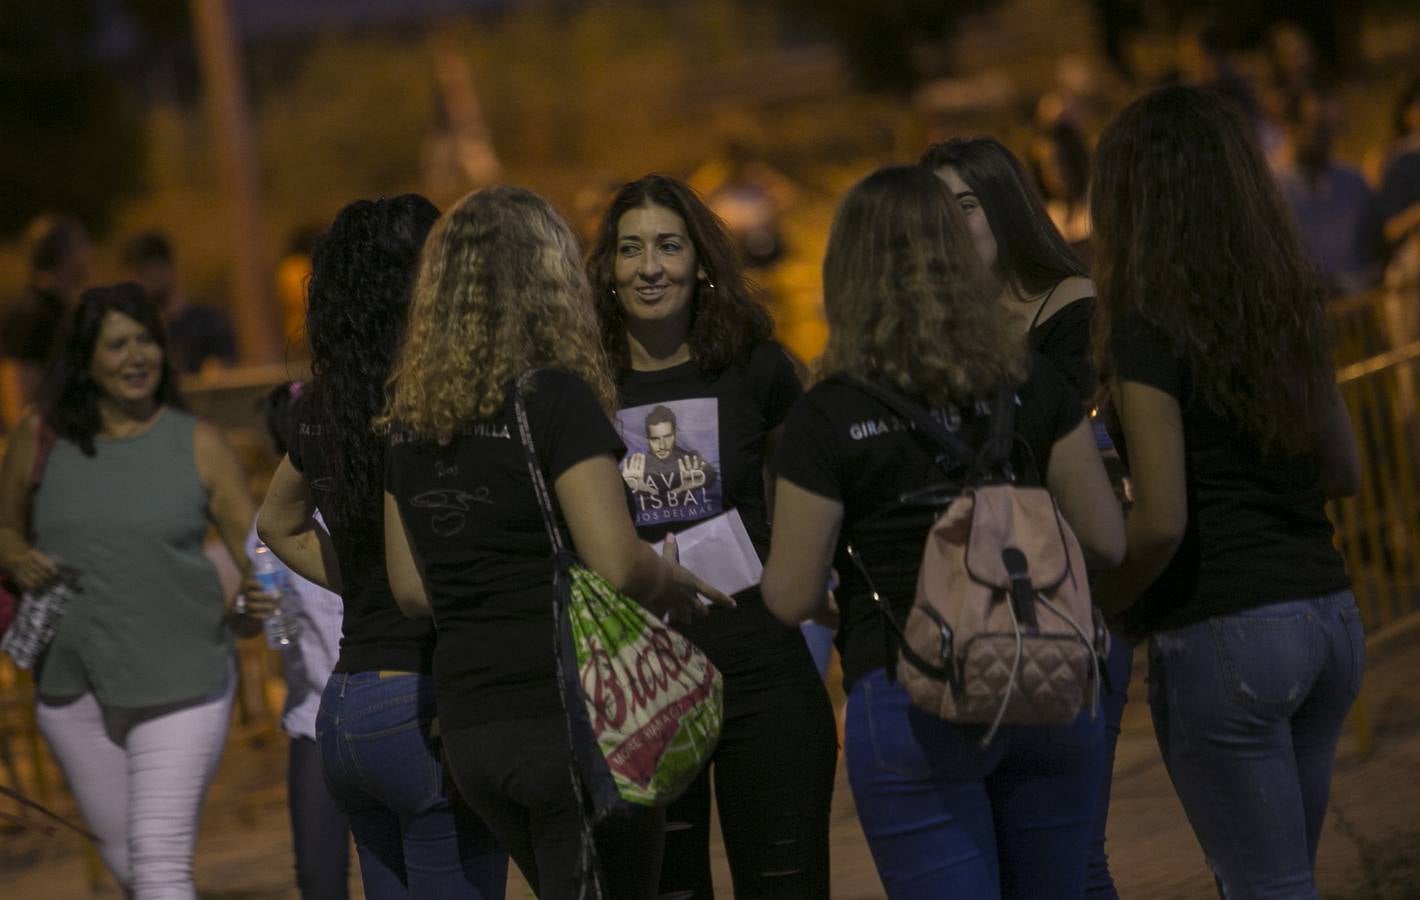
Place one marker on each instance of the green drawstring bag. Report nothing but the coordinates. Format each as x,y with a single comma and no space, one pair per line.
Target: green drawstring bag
644,706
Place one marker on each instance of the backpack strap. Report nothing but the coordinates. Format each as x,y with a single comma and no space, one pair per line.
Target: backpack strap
900,645
1000,437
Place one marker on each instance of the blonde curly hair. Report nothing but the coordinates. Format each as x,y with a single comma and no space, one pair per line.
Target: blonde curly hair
500,290
908,299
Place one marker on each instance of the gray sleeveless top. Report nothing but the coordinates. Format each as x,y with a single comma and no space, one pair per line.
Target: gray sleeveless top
147,628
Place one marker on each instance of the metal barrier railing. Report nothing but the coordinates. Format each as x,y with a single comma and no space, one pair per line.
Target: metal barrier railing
1377,530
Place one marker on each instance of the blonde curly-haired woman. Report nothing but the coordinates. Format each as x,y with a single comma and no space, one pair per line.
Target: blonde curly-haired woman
501,292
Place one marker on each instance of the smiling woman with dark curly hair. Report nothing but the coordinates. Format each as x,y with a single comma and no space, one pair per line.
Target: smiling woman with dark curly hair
704,391
373,727
111,487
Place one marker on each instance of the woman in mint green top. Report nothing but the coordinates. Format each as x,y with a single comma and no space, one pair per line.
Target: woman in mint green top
135,690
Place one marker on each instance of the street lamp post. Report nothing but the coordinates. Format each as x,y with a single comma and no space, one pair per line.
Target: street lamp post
252,305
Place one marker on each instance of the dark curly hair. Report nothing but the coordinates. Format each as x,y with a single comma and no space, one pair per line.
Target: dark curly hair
69,399
1193,239
361,272
1031,253
726,321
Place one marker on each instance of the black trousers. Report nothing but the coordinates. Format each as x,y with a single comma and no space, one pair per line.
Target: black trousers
772,774
516,775
320,833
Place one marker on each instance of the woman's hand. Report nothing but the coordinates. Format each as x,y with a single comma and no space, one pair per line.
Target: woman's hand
681,601
253,601
34,570
250,607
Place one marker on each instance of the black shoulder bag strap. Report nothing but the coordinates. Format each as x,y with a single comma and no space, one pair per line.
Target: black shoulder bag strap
561,595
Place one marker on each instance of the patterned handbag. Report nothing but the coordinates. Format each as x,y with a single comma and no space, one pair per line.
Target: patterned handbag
644,706
37,619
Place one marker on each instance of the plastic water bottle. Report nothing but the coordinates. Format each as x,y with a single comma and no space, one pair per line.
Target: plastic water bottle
283,626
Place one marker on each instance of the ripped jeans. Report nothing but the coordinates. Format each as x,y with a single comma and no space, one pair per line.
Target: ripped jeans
1247,709
773,773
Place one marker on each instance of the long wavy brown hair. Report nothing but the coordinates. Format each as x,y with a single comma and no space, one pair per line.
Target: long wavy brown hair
1030,251
1193,238
500,291
726,322
907,297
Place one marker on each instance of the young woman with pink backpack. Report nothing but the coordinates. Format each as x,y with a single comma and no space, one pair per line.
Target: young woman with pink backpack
913,313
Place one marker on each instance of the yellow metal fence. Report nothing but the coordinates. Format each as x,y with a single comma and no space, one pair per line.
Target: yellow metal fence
1377,529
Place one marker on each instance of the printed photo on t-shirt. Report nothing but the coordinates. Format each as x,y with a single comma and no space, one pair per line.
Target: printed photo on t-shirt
672,463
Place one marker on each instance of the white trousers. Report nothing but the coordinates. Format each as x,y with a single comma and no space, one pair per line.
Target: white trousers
140,776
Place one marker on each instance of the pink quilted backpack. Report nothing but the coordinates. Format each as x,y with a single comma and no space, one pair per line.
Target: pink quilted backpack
1002,630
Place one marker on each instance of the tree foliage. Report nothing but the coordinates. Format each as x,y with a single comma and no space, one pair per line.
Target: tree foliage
884,41
72,138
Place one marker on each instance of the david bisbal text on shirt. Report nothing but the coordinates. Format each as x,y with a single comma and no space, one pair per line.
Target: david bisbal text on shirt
671,505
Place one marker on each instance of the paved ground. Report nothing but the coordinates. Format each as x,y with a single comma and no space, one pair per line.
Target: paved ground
245,851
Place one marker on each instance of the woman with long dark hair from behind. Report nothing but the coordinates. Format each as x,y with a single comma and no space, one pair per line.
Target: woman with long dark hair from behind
1212,330
502,295
912,308
704,392
1044,293
374,728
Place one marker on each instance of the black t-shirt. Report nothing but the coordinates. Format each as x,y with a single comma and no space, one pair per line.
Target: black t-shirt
842,444
374,633
476,529
699,445
1064,339
1257,529
31,326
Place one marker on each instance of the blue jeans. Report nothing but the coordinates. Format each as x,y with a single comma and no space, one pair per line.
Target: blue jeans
382,769
945,818
1114,694
1248,709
